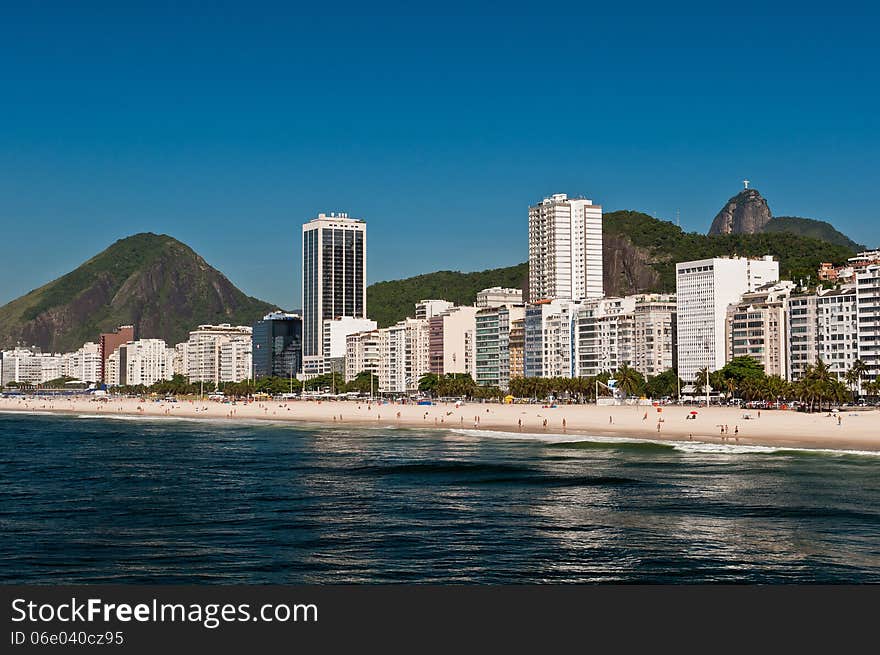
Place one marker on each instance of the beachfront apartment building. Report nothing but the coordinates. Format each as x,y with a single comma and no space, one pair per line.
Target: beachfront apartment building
548,339
565,249
704,290
636,330
108,342
802,327
334,274
757,327
451,341
603,335
335,333
837,329
219,353
84,364
517,347
492,344
868,310
362,354
30,366
140,362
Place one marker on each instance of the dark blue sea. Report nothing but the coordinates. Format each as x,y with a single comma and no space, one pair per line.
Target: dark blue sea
108,500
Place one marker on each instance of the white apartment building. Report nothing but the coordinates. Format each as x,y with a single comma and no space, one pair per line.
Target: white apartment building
653,350
236,359
868,299
335,332
603,334
84,364
30,366
704,290
394,358
430,308
837,329
140,362
548,350
203,353
498,297
334,280
451,341
362,353
565,249
181,359
802,326
757,327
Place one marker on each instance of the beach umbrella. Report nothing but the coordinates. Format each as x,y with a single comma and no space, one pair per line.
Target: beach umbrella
694,413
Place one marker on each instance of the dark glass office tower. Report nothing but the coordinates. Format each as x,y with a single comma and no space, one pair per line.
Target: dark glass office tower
334,279
277,345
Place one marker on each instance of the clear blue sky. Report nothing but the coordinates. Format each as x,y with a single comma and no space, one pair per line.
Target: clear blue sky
228,126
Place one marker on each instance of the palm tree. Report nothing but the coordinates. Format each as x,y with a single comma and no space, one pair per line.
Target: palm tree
854,377
630,380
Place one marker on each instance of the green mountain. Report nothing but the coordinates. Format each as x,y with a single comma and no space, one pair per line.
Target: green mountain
389,302
809,227
152,281
640,253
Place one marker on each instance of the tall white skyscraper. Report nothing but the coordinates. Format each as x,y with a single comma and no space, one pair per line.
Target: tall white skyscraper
565,249
704,290
334,279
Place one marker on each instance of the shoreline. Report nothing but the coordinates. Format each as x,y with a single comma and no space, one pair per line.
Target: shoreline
771,428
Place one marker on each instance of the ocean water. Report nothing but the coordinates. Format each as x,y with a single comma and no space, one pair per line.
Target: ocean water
109,500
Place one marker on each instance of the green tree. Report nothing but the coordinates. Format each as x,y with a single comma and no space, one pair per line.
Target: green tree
630,380
665,384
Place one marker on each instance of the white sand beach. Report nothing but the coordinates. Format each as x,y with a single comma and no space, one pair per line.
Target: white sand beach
846,430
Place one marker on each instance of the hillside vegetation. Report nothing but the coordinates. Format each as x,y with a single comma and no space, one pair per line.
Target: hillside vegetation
152,281
635,244
808,227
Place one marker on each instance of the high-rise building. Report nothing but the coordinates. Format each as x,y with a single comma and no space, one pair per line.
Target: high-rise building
334,277
565,249
704,290
837,329
277,345
757,327
110,341
868,290
802,325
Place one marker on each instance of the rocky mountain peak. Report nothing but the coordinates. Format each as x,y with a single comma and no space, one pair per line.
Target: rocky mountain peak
746,213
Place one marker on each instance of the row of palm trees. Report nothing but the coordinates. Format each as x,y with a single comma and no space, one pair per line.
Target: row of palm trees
818,387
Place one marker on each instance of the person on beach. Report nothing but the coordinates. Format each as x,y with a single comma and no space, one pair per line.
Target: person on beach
520,424
563,424
645,417
610,420
658,427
